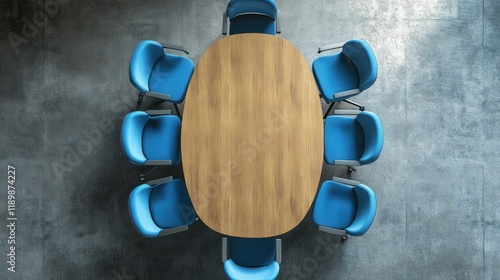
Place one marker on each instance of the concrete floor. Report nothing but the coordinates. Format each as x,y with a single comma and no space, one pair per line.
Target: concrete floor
65,90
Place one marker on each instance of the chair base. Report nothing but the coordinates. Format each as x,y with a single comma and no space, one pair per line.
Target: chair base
143,175
141,97
329,109
177,110
360,107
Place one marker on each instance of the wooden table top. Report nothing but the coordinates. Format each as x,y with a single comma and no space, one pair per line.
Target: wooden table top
252,136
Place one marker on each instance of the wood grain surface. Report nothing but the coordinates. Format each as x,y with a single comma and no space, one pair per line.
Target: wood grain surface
252,136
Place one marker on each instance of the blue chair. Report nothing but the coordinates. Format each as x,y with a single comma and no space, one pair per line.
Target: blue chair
161,207
251,258
151,137
251,16
353,138
344,207
345,74
157,74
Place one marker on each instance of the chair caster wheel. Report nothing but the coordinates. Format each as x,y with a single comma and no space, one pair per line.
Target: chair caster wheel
344,238
142,177
351,169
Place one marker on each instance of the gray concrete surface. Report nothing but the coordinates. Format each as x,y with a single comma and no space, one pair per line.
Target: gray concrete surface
65,90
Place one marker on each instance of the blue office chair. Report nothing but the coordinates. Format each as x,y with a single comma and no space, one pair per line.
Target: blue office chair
345,74
353,138
251,258
161,207
344,207
157,74
251,16
151,138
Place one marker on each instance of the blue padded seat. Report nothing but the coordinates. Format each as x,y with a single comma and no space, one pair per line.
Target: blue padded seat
345,207
252,251
161,138
147,137
252,16
251,259
162,206
355,67
335,205
236,272
167,202
252,24
344,139
353,138
335,73
151,69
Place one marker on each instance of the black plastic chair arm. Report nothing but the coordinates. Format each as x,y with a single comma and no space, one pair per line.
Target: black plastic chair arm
158,112
278,22
158,95
330,47
175,47
158,162
224,23
159,181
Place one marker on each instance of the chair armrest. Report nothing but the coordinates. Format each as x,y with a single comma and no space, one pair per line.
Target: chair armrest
158,162
345,181
131,136
367,206
278,22
175,47
224,23
332,230
140,213
347,93
347,162
224,249
158,112
330,47
167,231
159,181
346,112
278,250
158,95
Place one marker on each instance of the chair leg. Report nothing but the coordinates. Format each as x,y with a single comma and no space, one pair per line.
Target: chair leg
143,175
177,110
328,111
361,107
139,99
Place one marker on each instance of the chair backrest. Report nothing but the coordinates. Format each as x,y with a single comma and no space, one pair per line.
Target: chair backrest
139,211
367,206
131,136
252,252
142,62
264,7
374,136
361,54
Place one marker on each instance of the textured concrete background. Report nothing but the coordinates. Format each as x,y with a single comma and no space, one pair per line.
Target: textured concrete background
65,90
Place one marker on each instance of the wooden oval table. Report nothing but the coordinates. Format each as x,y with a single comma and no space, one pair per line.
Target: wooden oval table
252,136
